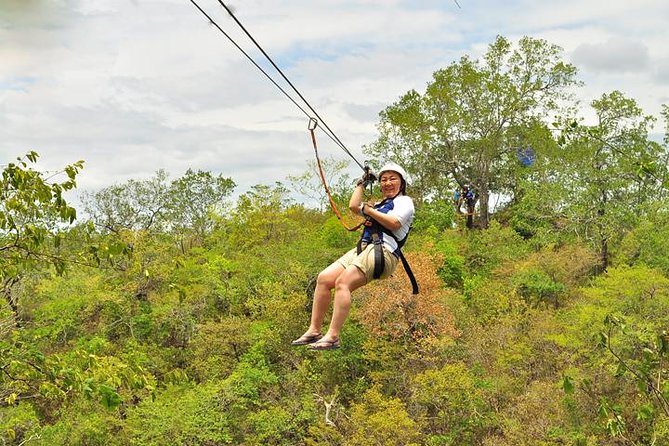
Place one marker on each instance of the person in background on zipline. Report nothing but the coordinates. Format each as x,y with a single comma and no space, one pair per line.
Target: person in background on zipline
388,223
457,201
469,198
465,196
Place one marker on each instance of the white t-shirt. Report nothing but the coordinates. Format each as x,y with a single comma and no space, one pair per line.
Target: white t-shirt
403,210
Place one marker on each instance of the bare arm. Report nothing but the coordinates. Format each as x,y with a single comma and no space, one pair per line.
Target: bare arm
356,199
387,221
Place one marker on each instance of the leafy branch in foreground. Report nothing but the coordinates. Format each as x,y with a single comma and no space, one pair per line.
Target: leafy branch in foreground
36,229
645,360
33,213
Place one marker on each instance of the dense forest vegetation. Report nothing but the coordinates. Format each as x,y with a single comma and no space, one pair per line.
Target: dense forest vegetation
162,314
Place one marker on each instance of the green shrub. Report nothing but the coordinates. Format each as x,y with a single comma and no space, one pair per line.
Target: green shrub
536,287
84,423
490,248
192,415
537,418
437,214
334,235
452,271
451,400
647,244
489,298
273,426
18,423
377,419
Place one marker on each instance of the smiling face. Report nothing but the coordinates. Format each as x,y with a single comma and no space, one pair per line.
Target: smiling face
391,182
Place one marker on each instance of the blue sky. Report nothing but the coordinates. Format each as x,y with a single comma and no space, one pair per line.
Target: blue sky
133,86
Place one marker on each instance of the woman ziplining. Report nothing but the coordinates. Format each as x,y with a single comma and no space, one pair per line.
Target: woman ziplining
387,225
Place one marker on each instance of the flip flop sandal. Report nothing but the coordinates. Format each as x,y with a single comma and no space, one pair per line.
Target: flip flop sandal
324,345
306,339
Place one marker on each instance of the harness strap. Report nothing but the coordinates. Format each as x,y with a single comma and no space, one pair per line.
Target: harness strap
405,262
379,259
407,269
358,248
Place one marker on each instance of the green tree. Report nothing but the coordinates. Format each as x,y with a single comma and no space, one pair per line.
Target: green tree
33,212
184,206
613,173
473,117
260,217
133,205
193,200
309,183
35,236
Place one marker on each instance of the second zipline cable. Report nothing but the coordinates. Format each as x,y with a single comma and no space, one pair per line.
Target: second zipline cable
326,129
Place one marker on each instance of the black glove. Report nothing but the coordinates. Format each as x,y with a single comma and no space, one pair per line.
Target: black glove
368,178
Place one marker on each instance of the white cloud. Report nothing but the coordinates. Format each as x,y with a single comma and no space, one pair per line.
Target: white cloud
132,86
614,55
661,72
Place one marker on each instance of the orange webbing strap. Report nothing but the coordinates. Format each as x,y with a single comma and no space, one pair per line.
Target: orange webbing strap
312,128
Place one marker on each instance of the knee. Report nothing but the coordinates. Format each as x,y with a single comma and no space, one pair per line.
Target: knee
325,280
341,284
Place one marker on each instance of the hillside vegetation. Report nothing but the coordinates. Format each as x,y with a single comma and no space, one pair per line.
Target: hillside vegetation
165,316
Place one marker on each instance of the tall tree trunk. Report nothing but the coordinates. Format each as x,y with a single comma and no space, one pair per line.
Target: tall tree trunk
484,210
483,192
604,253
603,239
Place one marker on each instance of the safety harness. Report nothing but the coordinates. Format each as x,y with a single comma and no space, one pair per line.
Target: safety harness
374,233
373,230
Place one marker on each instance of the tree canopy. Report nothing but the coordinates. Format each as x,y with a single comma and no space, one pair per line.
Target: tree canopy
473,117
164,315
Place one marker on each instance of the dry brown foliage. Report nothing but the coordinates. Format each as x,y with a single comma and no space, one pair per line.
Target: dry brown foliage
389,309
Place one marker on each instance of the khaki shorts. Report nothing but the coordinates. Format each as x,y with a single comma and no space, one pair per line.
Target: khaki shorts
365,261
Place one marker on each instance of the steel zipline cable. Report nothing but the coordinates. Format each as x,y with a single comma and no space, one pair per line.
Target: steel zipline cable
248,57
326,129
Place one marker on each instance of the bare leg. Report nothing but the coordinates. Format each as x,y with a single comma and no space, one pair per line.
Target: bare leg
347,282
322,296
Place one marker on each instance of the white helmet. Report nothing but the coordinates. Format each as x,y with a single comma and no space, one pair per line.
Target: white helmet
394,168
